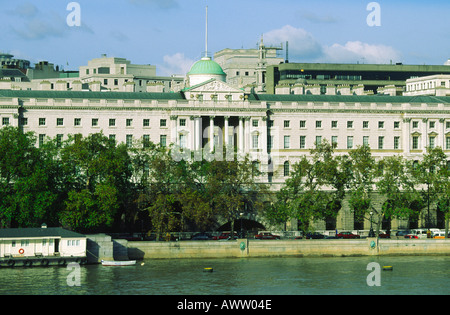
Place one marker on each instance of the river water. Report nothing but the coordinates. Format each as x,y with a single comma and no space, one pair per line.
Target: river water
249,276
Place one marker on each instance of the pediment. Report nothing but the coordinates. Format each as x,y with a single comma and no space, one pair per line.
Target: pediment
214,90
214,85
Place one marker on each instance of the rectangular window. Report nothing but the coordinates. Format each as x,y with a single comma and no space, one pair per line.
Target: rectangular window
163,140
447,143
146,123
94,122
365,124
432,142
41,139
432,124
302,123
162,122
146,141
129,122
350,124
59,139
60,121
255,123
183,141
5,121
77,122
396,124
349,142
112,122
334,140
366,141
112,137
447,124
286,124
41,121
182,122
255,139
302,142
129,139
415,142
318,124
287,142
380,124
24,121
396,143
380,143
415,124
318,140
334,124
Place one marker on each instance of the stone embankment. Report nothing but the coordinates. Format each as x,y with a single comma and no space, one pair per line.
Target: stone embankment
284,248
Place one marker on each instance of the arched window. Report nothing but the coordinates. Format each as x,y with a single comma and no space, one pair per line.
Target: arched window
286,168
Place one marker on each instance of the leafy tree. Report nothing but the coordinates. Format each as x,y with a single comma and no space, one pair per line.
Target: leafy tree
97,181
432,176
26,194
396,184
315,188
362,169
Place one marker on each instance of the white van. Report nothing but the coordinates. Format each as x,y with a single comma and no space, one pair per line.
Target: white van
439,234
420,233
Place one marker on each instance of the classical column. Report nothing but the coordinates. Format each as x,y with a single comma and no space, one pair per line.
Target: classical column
211,133
173,129
425,134
442,133
406,135
264,137
225,132
241,135
247,141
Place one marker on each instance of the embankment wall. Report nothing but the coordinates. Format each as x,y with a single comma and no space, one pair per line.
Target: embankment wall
279,248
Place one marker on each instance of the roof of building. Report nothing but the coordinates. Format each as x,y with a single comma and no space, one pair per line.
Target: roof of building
206,66
377,98
38,232
90,95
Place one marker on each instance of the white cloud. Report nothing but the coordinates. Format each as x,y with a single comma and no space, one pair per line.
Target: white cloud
301,43
303,47
356,51
176,64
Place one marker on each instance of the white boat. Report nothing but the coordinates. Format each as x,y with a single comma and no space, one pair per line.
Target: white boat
118,263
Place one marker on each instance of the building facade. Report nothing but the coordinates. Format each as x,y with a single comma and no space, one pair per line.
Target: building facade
276,130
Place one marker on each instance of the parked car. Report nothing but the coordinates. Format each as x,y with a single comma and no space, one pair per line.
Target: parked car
402,232
347,235
201,237
266,236
439,234
226,236
384,235
411,236
314,236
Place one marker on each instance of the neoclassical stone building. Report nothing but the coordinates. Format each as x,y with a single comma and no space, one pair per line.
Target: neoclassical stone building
275,130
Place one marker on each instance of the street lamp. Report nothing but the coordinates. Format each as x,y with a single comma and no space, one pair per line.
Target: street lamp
371,233
241,215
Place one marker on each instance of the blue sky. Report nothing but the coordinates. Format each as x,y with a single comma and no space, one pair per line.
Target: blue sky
170,33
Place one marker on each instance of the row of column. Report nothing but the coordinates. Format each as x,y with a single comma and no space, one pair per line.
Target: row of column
194,133
423,132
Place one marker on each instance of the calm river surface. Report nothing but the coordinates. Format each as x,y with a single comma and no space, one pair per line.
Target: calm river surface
254,276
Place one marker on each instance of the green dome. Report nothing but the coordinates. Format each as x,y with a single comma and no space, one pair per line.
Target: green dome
206,66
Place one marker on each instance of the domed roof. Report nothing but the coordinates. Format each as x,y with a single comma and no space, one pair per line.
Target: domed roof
206,66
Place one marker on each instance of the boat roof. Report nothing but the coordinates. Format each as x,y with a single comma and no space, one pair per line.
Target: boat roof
39,232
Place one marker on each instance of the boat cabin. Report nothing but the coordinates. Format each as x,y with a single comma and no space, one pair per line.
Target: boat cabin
41,242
